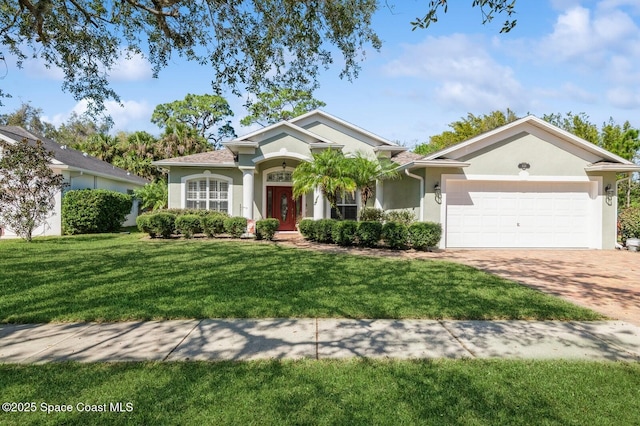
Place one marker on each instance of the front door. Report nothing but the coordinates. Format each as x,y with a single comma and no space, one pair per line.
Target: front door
283,206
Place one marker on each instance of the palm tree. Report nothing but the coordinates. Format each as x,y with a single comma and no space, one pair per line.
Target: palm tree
330,171
365,172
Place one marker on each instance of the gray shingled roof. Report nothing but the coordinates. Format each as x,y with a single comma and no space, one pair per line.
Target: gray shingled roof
72,157
405,157
220,156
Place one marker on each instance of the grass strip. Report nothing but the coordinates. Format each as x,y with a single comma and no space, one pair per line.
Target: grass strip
354,392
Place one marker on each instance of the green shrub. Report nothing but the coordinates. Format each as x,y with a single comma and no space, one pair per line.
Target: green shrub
401,216
266,228
395,235
629,223
307,228
89,211
213,223
370,214
424,235
188,224
163,224
144,224
324,230
235,226
344,232
369,233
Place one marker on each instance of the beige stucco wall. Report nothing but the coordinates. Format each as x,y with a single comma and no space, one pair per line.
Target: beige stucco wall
176,188
546,158
350,142
402,194
609,211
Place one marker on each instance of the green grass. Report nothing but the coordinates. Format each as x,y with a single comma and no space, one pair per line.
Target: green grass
123,277
353,392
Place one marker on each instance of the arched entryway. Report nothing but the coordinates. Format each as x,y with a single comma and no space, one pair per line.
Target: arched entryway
279,202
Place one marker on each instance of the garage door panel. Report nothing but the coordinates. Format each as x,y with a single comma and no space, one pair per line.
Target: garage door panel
518,214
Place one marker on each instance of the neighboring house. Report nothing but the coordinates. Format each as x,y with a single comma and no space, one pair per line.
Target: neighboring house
80,171
526,184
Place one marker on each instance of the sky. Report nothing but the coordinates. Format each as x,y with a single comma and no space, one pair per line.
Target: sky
579,56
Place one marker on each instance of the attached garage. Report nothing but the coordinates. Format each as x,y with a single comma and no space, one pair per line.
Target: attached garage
516,214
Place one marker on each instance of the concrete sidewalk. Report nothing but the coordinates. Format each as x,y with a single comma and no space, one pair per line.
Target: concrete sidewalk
239,339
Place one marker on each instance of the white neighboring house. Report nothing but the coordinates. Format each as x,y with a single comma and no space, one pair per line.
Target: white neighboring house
80,171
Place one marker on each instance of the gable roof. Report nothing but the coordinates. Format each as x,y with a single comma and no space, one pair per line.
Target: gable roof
73,159
454,152
326,118
221,157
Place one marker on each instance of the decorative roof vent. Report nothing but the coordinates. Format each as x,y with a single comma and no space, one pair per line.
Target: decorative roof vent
63,147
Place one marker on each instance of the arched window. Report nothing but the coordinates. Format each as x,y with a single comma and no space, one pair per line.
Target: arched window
207,193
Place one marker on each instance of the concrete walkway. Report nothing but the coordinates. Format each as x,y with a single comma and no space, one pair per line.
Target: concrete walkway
237,339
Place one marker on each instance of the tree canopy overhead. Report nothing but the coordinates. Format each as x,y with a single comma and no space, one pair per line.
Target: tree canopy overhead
251,45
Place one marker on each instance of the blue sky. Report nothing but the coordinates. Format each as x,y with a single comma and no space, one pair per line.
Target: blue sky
563,55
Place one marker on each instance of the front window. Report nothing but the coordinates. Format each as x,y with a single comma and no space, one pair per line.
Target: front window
347,206
281,176
208,194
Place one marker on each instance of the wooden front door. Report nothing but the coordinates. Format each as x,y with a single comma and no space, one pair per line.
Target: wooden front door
282,206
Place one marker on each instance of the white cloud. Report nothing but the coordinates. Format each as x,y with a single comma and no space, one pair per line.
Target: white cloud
465,75
624,97
126,117
581,37
132,67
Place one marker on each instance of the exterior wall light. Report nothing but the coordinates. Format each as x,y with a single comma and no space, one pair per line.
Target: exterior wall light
609,192
284,165
524,166
438,192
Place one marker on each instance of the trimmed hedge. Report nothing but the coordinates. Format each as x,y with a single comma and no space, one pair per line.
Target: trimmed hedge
144,224
188,224
371,214
163,224
395,235
369,233
629,223
266,228
213,223
90,211
308,229
235,226
424,235
345,232
402,216
324,230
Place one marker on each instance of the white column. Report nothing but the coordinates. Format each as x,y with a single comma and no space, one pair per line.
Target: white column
318,204
379,201
247,193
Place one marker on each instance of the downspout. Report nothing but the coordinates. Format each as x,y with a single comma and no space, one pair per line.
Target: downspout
421,179
628,188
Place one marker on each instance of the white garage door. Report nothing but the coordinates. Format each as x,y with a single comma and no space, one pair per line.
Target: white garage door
519,214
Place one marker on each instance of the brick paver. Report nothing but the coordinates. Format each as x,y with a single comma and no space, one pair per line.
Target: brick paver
607,281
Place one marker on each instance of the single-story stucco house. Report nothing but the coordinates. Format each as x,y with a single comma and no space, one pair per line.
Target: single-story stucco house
527,184
80,171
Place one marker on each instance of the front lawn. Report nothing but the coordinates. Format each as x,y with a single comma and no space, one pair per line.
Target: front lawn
352,392
124,277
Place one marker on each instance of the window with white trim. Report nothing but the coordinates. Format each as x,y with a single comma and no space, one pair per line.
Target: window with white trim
207,194
348,207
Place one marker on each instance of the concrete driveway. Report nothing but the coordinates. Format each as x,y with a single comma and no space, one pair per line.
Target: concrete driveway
607,281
